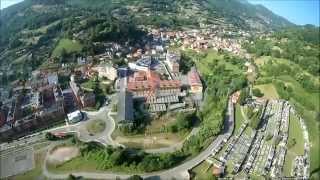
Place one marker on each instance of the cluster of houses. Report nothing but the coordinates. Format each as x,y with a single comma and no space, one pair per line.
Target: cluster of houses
29,106
202,39
40,102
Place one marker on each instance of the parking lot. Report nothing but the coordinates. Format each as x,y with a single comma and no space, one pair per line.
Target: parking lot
16,161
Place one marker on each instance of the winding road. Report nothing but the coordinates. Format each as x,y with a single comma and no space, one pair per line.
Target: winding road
178,172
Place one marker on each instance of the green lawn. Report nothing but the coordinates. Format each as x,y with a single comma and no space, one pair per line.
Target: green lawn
87,165
79,163
268,90
238,118
203,171
89,85
67,44
300,92
295,132
96,126
205,60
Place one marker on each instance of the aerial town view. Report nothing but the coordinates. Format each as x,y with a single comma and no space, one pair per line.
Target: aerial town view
159,89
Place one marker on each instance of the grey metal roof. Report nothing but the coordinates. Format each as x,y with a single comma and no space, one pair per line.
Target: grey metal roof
125,107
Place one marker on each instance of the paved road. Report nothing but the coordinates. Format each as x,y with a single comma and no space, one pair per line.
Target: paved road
179,172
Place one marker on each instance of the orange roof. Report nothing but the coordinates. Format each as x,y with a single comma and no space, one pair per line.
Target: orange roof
150,80
194,78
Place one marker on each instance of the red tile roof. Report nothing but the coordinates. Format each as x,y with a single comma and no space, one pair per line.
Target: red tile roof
194,78
150,80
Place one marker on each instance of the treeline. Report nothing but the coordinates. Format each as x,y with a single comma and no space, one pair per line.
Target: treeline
275,69
221,82
129,159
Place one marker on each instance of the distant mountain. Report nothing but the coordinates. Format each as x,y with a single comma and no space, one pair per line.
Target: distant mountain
256,17
238,13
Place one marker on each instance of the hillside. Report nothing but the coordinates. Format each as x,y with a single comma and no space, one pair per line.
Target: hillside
33,28
236,13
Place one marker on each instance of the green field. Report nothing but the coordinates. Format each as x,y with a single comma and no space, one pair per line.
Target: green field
205,60
295,132
69,46
203,171
87,165
301,93
238,118
96,126
268,90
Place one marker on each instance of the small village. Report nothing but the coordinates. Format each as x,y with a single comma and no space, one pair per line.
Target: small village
149,79
152,75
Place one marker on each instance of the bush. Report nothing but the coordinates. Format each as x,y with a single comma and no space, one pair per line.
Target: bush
257,93
135,177
291,143
269,137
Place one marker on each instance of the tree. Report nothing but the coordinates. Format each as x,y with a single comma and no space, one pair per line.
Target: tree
269,137
256,92
50,136
291,143
135,177
244,94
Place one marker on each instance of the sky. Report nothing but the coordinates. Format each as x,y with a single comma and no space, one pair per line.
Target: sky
6,3
300,12
297,11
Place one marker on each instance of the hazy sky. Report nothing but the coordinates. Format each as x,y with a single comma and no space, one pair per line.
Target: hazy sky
6,3
297,11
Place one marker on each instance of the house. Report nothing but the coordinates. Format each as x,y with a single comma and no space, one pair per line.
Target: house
88,99
125,107
149,85
84,99
194,81
81,61
173,61
143,64
52,79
